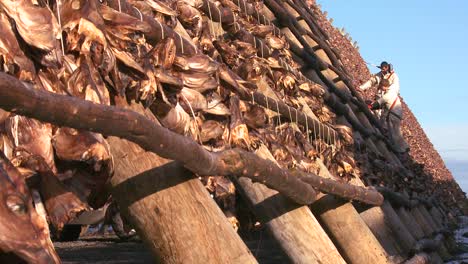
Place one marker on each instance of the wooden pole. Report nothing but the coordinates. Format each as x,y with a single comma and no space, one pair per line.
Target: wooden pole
399,230
356,242
293,226
379,227
410,223
171,210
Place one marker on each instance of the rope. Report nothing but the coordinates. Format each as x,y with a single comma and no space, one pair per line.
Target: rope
60,24
307,127
269,119
296,116
261,48
279,114
253,98
290,117
245,10
211,19
139,12
181,42
314,134
162,29
220,16
15,130
235,22
193,114
318,141
120,7
334,137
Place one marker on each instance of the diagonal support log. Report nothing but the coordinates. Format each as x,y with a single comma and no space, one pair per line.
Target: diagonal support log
73,112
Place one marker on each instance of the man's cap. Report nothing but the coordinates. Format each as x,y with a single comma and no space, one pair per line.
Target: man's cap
383,64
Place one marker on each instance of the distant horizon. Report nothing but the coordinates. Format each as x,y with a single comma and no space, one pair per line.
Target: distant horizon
459,170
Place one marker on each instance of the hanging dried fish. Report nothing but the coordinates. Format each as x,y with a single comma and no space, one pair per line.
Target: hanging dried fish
86,83
173,118
191,100
25,234
275,42
13,57
197,63
216,105
61,204
73,145
255,117
211,130
36,25
33,136
190,18
239,133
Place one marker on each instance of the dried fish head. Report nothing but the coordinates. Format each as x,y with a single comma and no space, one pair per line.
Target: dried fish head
13,57
164,53
211,130
315,89
229,54
191,100
275,42
255,117
190,17
74,145
198,63
261,31
216,105
36,25
176,119
345,133
24,232
200,82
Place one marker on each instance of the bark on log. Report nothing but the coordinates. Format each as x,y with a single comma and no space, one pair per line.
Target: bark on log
379,227
294,227
108,120
173,213
410,223
400,231
421,221
396,199
428,218
334,214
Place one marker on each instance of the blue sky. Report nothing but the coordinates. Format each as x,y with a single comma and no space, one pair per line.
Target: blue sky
427,42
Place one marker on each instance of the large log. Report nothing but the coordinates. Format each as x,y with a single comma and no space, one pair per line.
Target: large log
294,227
410,223
379,227
73,112
400,231
171,210
356,242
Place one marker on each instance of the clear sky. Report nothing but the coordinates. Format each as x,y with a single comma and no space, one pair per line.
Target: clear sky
427,43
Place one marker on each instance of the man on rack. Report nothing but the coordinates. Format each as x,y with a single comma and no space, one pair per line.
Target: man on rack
388,101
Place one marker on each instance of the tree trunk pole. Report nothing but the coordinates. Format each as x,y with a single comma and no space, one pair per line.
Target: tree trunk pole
171,210
356,242
293,226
